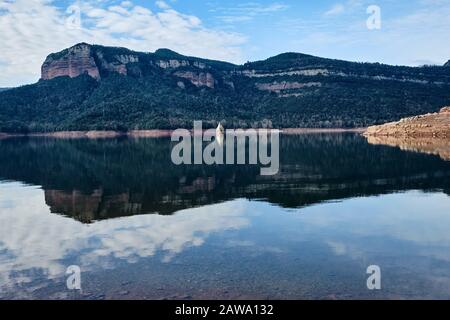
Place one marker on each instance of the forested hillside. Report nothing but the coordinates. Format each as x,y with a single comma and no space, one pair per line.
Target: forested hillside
90,87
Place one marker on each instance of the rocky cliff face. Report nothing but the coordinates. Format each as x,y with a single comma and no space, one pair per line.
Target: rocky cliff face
173,64
97,61
118,64
72,63
198,79
86,59
283,86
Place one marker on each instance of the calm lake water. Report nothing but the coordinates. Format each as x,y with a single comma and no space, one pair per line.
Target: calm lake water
140,227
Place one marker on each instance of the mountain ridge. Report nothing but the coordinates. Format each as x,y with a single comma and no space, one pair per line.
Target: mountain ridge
165,53
94,87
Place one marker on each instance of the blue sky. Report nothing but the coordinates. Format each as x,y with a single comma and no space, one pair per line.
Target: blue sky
412,32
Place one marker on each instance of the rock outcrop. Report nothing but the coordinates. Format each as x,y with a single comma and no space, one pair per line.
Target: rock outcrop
119,63
435,125
87,59
429,133
71,62
96,61
279,87
447,64
198,79
174,64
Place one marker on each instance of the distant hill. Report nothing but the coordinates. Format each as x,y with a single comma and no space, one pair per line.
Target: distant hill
91,87
4,89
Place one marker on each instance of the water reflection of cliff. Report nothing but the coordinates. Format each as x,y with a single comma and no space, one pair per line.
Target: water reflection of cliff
89,207
436,146
92,180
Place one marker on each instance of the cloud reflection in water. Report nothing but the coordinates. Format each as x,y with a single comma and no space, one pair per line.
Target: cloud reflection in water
33,238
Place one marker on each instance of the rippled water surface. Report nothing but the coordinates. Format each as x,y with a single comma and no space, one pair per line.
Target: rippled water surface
140,227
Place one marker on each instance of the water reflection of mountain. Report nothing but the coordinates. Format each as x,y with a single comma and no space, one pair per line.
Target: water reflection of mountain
99,179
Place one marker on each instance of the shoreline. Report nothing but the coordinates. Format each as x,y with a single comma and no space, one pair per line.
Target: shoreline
95,134
321,130
154,133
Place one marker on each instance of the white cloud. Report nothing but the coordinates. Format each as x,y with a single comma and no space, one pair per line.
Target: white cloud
31,29
248,11
347,7
162,5
335,10
126,4
413,217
